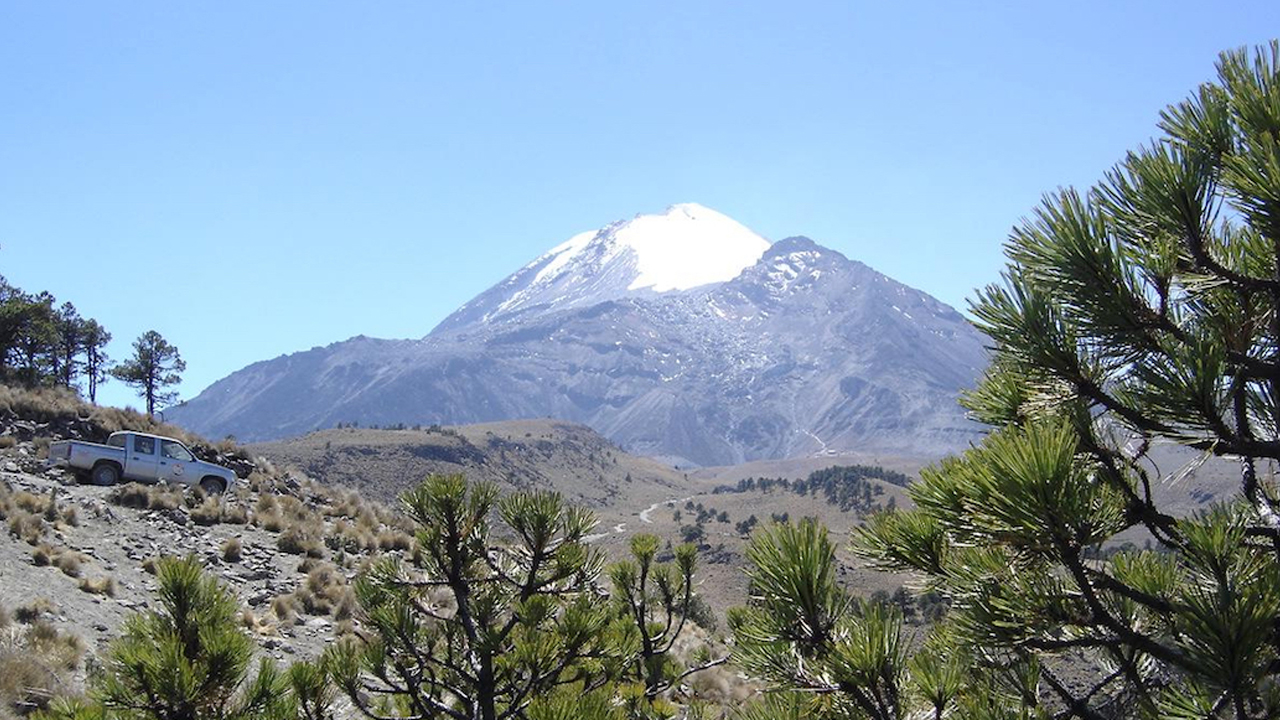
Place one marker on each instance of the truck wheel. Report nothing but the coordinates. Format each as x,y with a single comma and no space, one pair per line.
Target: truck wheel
105,474
213,486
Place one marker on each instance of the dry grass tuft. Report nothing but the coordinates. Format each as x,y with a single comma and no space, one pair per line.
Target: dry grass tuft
31,503
302,539
394,540
27,527
44,555
216,509
232,550
255,624
285,608
324,593
104,585
147,497
36,662
69,563
33,610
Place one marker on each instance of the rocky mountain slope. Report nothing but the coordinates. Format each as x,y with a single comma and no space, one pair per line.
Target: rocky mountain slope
730,351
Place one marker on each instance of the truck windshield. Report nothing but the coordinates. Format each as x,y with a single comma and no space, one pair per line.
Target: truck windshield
174,451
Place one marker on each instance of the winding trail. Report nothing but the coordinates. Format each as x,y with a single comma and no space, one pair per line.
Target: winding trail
644,514
644,518
617,530
824,450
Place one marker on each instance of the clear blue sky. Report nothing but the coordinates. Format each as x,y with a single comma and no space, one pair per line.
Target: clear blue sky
253,179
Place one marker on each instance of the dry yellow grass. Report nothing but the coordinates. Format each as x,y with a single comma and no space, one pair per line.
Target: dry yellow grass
103,585
232,550
36,661
147,497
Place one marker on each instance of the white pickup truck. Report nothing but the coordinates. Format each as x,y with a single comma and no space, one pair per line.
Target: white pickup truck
142,457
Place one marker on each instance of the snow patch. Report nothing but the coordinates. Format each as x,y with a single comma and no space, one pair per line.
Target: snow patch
687,246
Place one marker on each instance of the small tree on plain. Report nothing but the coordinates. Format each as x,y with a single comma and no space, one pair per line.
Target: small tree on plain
154,366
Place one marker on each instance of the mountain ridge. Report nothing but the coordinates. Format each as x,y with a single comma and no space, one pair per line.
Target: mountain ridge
801,352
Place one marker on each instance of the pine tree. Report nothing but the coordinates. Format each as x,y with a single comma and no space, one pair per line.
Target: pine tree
1145,311
154,366
473,629
12,319
97,364
68,344
189,660
34,345
657,599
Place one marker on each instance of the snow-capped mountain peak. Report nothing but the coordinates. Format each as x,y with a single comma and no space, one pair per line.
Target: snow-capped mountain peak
686,246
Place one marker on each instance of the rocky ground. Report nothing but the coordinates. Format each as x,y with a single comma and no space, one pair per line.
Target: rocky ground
117,541
76,561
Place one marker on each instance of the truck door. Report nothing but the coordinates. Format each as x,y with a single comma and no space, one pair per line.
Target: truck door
142,462
176,463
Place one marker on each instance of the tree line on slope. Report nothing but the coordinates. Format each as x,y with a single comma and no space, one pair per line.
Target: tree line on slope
847,487
46,344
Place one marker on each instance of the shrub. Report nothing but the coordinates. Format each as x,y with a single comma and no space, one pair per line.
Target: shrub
190,658
232,550
43,555
300,540
208,512
538,641
104,585
26,527
69,563
33,610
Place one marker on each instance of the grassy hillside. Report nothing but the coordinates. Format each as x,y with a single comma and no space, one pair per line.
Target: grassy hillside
629,494
520,454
